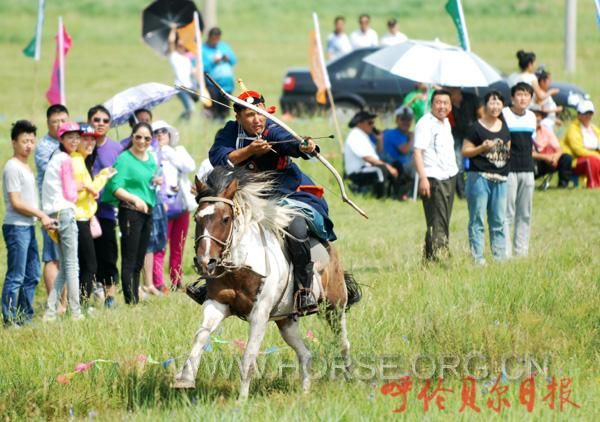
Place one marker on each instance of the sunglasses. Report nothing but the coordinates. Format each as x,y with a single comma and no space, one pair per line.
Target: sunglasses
164,131
145,138
99,119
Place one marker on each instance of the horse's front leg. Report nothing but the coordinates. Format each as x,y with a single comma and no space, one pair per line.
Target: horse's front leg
258,324
289,331
214,313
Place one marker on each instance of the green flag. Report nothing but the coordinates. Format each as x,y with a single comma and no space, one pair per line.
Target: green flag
454,9
33,48
29,51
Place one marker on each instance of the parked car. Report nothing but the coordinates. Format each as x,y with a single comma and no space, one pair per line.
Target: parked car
357,85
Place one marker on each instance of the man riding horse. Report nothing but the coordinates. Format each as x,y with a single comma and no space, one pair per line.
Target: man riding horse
260,145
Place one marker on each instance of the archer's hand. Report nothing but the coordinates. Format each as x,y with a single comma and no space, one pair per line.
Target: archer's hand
308,146
258,147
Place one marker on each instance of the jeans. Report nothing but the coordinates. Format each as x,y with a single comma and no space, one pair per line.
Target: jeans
519,203
177,228
188,104
69,264
22,273
135,232
49,248
486,197
438,210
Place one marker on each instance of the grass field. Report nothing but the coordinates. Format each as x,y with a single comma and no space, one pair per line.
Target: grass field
544,308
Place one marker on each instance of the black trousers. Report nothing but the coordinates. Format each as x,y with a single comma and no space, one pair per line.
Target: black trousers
107,253
438,210
564,169
135,233
86,252
379,179
298,246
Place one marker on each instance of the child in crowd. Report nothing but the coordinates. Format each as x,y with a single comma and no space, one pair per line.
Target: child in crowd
21,203
59,193
86,206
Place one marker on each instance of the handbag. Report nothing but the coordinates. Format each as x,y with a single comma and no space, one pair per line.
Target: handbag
95,228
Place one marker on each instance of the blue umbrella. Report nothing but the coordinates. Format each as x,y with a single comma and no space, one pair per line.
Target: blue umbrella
147,96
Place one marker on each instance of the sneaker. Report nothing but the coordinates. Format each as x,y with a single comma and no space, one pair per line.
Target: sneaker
78,317
98,294
110,303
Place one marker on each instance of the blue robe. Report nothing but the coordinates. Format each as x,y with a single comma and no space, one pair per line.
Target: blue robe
288,175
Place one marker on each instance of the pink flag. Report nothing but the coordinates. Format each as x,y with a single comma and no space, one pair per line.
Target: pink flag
54,91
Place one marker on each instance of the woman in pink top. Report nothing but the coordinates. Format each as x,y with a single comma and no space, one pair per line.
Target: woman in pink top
59,194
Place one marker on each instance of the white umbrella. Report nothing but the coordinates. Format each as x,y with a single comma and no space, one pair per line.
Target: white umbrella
434,62
147,95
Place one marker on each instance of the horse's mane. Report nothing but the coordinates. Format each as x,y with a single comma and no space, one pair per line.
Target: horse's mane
253,196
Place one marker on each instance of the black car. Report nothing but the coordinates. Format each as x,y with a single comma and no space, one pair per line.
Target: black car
357,85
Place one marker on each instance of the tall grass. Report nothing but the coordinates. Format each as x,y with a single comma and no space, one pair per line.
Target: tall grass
544,306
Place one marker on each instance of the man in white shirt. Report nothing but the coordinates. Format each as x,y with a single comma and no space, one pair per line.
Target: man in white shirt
361,162
365,36
436,166
393,36
338,43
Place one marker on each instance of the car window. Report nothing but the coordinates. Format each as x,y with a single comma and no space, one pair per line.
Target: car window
370,73
347,68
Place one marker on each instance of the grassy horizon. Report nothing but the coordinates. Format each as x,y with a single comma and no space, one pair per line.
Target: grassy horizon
544,306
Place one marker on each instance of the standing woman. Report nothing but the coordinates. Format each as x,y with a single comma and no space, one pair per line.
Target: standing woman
527,75
488,146
176,165
86,206
131,189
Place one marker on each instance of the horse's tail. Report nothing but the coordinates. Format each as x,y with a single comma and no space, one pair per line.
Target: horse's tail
353,288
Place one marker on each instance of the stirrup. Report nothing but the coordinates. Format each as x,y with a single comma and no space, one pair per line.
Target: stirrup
307,310
197,293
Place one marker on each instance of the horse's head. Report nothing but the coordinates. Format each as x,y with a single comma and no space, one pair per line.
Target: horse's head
214,226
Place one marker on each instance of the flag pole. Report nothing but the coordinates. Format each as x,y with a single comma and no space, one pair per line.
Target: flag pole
61,61
206,100
327,82
38,49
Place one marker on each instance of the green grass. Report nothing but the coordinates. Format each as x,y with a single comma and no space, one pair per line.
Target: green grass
545,306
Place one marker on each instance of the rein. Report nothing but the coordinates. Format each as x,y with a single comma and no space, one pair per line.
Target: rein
225,244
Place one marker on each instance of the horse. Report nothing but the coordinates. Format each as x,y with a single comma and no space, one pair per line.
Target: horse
240,252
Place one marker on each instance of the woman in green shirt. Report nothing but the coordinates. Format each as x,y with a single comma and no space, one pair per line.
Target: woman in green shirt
132,191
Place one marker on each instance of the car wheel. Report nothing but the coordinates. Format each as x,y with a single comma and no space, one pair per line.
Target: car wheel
345,110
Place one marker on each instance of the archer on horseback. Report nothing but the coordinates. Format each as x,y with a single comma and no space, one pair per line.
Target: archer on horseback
259,144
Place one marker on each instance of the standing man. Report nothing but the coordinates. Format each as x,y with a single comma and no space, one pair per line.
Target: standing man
361,162
56,115
218,59
364,36
521,123
338,43
462,116
393,36
22,207
436,166
107,151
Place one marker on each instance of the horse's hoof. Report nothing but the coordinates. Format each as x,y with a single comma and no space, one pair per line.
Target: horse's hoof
184,384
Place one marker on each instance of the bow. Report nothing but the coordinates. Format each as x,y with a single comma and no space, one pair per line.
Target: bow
315,154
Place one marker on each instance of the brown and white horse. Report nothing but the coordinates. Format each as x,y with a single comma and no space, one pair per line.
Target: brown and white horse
240,252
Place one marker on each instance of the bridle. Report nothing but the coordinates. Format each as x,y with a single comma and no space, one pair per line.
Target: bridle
223,258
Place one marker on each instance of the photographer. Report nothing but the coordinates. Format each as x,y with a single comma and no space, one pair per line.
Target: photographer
361,162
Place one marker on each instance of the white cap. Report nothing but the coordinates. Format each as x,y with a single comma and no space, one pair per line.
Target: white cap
585,106
173,133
